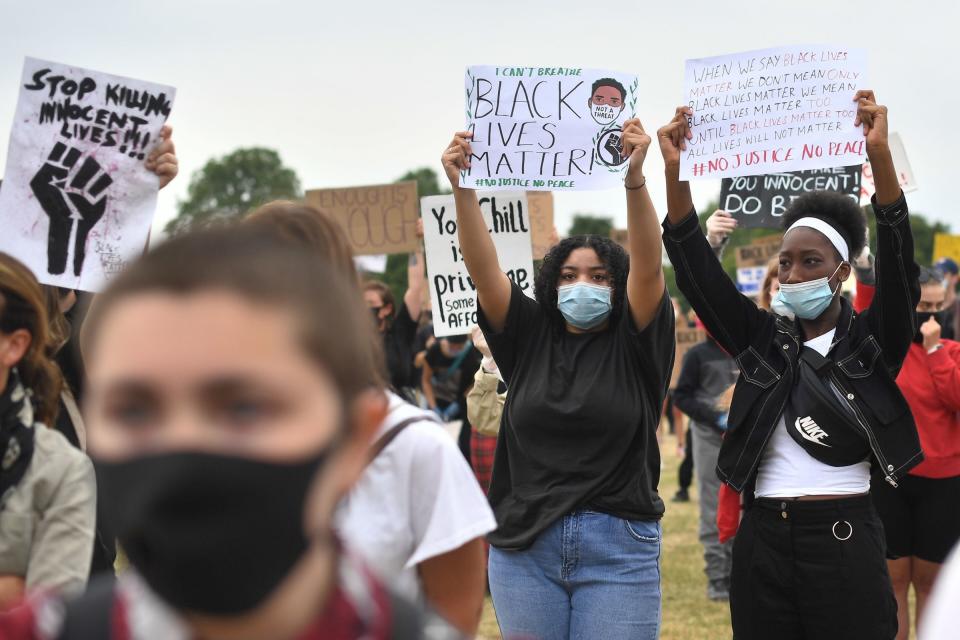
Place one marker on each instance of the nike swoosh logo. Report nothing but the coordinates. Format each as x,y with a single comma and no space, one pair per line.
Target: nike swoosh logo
813,426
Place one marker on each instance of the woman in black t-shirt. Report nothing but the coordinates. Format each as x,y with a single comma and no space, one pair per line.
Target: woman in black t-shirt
575,475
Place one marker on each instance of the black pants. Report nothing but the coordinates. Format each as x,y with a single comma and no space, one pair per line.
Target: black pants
685,472
811,571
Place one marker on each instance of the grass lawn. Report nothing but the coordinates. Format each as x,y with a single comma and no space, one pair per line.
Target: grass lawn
687,614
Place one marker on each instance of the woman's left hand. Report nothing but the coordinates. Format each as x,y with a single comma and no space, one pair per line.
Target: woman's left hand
163,160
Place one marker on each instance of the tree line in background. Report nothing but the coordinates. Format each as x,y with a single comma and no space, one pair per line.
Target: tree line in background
228,187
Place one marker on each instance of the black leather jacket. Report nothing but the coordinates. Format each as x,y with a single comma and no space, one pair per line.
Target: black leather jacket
868,349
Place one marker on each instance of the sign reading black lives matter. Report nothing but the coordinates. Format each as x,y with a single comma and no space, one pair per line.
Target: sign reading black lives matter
759,201
452,292
547,128
77,201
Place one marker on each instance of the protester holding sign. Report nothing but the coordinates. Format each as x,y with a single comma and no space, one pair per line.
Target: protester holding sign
816,402
398,325
587,365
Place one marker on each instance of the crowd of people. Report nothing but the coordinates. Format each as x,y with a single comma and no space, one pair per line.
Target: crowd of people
261,433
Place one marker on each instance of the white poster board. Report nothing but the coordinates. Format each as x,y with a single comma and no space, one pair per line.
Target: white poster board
900,162
547,128
452,294
773,110
77,201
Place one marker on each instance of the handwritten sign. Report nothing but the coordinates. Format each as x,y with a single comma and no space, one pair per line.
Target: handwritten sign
900,162
759,201
750,279
77,202
686,339
377,219
759,252
547,128
452,293
773,110
541,222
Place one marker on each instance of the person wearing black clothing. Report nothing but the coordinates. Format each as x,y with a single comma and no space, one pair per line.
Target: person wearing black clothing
448,370
816,405
398,324
705,377
576,469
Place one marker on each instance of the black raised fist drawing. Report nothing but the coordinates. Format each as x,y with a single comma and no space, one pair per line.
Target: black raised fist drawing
615,148
68,193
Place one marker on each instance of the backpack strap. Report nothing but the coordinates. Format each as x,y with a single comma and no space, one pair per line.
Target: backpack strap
90,615
384,440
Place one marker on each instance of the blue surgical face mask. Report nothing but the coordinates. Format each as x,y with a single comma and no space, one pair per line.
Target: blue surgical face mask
806,300
583,305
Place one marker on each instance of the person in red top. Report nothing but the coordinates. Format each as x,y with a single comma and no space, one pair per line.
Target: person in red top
921,517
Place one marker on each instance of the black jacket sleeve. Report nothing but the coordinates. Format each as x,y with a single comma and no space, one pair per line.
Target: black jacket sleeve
686,395
892,314
733,319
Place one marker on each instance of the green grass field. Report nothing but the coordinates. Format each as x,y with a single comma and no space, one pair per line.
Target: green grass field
687,614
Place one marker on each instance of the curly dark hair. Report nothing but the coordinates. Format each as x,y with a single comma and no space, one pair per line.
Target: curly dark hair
837,210
611,254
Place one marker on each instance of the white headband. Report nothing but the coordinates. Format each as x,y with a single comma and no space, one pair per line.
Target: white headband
826,229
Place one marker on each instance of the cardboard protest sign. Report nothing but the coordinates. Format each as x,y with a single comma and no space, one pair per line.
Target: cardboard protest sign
686,339
759,201
759,252
77,201
377,219
541,222
452,293
900,162
946,245
547,128
773,110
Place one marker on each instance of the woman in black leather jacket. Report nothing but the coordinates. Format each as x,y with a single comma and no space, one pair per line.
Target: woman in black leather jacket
816,409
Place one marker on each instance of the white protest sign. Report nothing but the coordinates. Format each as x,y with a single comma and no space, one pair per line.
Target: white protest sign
77,202
452,294
900,162
773,110
750,279
547,128
371,264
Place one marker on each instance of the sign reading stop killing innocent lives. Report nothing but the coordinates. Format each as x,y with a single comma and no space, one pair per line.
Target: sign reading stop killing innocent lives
773,110
452,293
547,128
77,201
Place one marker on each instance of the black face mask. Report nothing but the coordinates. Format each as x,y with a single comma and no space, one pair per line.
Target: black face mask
210,534
924,316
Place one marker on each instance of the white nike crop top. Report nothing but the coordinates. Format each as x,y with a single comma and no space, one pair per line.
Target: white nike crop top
787,471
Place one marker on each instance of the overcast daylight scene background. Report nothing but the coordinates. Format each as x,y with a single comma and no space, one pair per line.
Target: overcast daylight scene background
360,92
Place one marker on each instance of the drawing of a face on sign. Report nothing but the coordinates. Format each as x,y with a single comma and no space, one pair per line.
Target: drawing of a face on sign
606,101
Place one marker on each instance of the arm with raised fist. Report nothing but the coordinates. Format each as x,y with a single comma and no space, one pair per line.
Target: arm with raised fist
645,284
476,245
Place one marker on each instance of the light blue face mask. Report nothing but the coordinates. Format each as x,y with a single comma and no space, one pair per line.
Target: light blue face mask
583,305
806,300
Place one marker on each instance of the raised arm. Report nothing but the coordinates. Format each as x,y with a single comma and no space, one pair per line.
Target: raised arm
891,316
416,278
645,284
733,320
476,245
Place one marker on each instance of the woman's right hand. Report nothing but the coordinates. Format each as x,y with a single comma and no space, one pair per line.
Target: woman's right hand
673,137
456,157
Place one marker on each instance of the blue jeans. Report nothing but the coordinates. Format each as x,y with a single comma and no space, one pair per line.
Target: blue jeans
589,575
